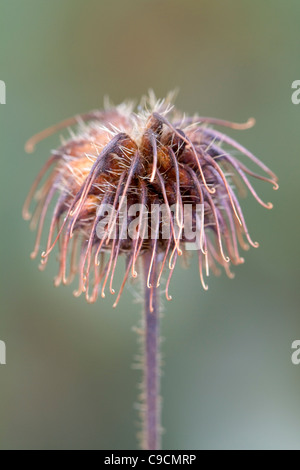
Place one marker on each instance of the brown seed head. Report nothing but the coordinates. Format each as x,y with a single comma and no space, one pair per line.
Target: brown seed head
162,162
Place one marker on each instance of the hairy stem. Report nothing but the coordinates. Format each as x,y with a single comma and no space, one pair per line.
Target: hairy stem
152,410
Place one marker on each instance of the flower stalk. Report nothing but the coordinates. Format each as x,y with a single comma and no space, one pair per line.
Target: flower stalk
152,409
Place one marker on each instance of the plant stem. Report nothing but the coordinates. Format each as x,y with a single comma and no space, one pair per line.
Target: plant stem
152,415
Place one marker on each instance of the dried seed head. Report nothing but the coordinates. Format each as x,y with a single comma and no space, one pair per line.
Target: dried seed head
168,171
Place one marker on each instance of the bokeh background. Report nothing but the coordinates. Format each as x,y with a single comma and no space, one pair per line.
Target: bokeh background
228,379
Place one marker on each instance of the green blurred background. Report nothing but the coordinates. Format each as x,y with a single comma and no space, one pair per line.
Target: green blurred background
229,381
